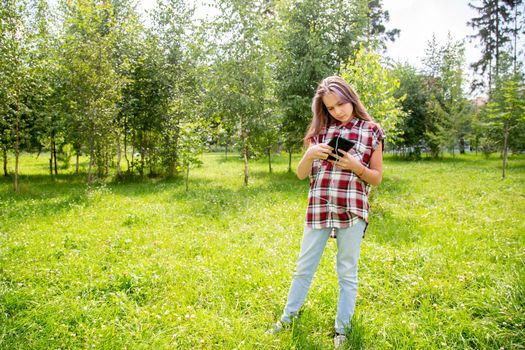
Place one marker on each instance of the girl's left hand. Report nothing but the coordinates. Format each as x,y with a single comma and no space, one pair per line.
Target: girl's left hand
346,162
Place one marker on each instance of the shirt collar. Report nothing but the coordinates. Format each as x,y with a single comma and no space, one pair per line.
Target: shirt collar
349,124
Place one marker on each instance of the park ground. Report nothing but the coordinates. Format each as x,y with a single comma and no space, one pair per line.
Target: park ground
147,264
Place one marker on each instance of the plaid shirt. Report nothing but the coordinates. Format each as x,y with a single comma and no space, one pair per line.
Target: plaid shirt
338,198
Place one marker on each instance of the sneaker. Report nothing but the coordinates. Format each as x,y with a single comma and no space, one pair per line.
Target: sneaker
278,327
339,340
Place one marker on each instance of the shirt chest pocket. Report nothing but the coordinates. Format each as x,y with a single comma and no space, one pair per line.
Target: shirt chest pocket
362,151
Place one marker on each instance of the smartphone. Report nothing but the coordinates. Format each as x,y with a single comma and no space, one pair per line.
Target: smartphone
338,143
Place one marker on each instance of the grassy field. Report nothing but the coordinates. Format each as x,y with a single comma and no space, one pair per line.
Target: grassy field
147,265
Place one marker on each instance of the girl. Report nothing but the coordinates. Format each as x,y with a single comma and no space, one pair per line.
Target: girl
338,196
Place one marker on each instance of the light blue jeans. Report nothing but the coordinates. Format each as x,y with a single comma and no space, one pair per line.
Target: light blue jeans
312,247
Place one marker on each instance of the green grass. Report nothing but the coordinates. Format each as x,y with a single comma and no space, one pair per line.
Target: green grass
148,265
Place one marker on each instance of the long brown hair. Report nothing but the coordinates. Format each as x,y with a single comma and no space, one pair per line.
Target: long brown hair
321,117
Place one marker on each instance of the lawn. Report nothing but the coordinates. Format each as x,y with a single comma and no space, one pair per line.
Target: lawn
148,265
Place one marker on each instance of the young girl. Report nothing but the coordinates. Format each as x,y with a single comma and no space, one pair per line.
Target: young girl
338,196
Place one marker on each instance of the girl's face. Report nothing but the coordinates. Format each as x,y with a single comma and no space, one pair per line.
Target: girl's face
341,111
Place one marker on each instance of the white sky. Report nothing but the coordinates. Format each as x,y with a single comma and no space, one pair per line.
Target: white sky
418,20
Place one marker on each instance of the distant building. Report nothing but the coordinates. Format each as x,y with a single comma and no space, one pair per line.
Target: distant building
480,101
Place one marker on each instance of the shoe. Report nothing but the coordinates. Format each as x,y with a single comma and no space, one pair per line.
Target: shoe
278,327
339,340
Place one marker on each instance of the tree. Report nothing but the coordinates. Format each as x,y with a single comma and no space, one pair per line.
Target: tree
192,142
508,110
304,61
93,82
517,29
448,109
145,102
6,73
498,26
412,127
45,100
128,42
174,26
374,18
242,64
16,80
313,48
376,87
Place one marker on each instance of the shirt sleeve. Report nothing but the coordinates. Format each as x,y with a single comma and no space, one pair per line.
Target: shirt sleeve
314,140
378,135
315,168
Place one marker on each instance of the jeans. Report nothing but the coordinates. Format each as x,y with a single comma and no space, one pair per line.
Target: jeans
312,247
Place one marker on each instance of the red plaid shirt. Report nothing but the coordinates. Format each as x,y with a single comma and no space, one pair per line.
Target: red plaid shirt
338,198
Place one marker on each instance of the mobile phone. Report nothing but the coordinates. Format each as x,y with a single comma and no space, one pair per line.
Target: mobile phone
340,143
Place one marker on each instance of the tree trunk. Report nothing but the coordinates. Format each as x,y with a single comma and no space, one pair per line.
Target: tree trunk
505,148
119,154
246,168
498,40
515,37
17,144
270,160
290,151
55,156
176,137
245,153
91,158
187,176
77,163
141,167
5,161
51,142
107,161
142,155
132,159
126,149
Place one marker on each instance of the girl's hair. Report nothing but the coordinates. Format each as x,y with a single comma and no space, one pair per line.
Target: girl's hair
321,117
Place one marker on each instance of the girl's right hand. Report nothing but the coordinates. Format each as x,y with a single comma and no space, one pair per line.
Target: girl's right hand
319,151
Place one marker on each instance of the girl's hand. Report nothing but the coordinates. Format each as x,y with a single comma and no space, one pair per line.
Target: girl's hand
347,162
319,151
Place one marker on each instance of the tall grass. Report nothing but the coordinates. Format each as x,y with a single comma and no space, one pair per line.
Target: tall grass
149,265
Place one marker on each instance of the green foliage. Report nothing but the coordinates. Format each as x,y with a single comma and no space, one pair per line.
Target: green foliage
506,111
98,77
241,88
414,96
509,104
312,48
371,19
304,61
448,111
376,86
499,26
151,265
193,137
94,84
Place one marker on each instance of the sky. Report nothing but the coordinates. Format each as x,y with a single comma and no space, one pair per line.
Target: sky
418,20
